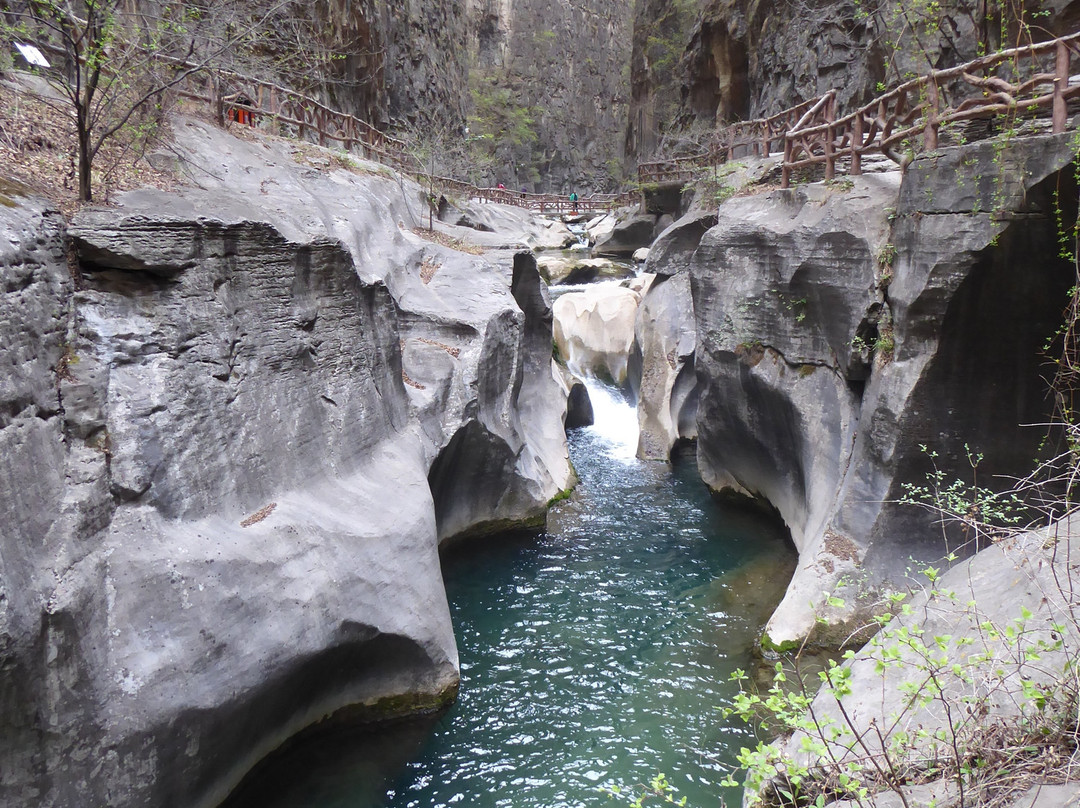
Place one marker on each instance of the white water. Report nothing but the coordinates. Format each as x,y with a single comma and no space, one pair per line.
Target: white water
614,421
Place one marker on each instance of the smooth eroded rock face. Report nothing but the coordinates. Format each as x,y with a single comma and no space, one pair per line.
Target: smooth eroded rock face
667,402
221,481
673,250
480,381
594,330
840,330
506,226
628,236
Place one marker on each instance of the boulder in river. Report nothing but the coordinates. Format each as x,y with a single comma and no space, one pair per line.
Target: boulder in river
627,236
600,227
579,409
594,330
567,269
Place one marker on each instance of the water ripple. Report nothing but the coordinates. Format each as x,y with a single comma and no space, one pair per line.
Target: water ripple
593,655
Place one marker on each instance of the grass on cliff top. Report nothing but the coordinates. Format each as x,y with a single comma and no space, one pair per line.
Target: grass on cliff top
38,151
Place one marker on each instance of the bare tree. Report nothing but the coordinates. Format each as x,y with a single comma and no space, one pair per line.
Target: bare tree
116,61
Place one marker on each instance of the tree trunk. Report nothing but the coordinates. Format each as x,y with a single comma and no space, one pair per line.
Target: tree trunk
85,161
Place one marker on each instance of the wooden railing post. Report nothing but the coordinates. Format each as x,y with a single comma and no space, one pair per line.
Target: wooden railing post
1061,83
930,132
765,140
856,144
830,136
785,174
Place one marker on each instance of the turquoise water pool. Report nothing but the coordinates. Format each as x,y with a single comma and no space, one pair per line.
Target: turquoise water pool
593,655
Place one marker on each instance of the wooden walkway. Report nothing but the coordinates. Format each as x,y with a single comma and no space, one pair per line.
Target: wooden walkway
907,120
236,97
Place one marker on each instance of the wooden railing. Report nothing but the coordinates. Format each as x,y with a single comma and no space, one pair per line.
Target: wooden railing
556,203
759,137
909,118
230,94
896,124
543,203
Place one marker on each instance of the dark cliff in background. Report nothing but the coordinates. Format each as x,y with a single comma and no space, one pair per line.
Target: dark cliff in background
750,59
543,85
564,66
400,62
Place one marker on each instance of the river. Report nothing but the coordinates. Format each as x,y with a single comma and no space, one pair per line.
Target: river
595,654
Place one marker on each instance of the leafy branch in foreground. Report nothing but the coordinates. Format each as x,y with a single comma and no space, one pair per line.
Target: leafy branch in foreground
969,708
658,788
982,514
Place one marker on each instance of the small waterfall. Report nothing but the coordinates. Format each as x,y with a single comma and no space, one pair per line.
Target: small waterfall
615,421
581,234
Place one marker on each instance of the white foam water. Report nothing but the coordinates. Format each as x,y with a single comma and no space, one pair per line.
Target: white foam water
615,421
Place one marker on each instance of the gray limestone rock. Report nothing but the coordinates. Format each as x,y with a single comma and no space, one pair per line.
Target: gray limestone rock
594,330
1049,796
667,400
35,293
674,249
628,235
1005,620
222,496
509,226
480,382
579,409
840,330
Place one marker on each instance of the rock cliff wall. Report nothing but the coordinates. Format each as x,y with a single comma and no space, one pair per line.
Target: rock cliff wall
740,60
220,524
841,328
427,67
559,68
566,63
